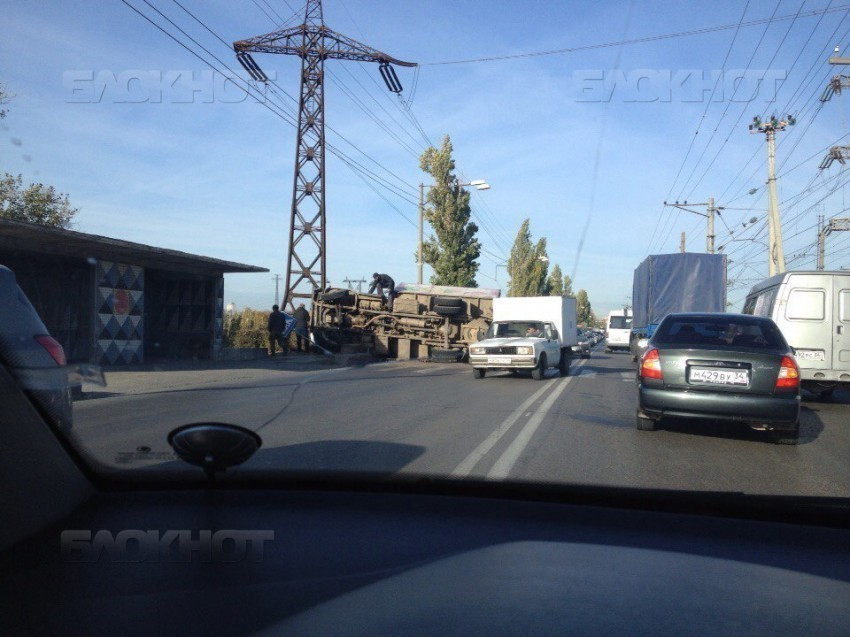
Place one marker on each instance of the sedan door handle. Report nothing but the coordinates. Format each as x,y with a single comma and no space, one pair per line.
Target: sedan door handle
839,328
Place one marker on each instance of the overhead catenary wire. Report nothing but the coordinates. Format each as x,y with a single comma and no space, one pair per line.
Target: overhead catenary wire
651,38
803,85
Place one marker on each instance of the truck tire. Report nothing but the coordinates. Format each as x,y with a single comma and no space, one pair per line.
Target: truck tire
645,424
336,295
448,310
478,372
564,363
447,301
539,372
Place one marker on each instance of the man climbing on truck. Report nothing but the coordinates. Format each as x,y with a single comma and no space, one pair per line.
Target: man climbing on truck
381,282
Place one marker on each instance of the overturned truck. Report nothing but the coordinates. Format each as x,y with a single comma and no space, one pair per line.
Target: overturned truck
433,321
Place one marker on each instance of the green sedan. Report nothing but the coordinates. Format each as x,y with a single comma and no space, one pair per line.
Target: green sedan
720,367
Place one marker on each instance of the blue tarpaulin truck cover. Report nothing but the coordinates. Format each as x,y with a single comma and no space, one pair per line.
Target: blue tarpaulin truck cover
681,282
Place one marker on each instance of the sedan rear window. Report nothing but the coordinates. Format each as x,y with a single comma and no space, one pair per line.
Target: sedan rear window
720,332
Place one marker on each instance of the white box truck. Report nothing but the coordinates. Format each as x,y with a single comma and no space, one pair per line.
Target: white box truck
528,333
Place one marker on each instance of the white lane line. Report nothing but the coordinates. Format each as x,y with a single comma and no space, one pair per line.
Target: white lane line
509,458
468,463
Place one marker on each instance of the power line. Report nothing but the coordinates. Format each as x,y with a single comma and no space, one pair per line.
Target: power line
652,38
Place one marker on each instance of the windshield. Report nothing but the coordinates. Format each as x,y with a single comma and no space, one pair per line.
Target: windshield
212,222
620,322
515,329
720,332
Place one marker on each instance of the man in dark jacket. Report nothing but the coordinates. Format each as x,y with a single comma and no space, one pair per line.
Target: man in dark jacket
277,326
381,282
302,320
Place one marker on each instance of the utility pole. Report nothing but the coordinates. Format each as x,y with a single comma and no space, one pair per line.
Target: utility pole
709,234
682,244
776,255
419,262
834,225
276,278
314,43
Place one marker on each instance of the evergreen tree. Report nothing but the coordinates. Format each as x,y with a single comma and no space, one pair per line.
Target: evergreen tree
556,281
528,265
453,252
583,309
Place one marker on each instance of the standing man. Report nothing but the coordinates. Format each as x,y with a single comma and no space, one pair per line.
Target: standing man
302,320
277,326
383,282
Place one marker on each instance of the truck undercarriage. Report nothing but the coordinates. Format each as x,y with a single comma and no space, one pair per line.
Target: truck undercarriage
426,321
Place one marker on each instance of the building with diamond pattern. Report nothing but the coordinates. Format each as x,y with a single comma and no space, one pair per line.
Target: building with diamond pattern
114,302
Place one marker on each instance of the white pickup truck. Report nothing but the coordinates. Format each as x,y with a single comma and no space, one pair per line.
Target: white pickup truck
527,333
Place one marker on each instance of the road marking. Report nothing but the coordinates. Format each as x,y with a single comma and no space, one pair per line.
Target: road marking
468,463
509,458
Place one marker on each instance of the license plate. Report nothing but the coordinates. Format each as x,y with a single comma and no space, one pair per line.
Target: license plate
810,355
499,360
719,376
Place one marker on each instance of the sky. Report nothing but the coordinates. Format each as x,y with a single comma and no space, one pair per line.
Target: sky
584,117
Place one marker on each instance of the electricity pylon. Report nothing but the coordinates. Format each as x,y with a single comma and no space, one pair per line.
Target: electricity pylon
313,42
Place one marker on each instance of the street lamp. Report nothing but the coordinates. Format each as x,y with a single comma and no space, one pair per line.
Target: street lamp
478,184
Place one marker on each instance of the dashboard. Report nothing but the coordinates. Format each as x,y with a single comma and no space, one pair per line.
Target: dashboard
350,555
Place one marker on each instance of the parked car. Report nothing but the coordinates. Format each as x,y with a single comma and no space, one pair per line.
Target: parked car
582,346
34,358
731,367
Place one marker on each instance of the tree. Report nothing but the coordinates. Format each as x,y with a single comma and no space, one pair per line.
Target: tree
583,309
528,265
453,253
36,203
556,282
5,96
568,286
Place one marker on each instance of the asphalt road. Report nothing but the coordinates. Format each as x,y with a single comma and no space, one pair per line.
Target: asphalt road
426,418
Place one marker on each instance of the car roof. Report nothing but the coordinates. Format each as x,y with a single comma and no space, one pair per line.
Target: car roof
707,316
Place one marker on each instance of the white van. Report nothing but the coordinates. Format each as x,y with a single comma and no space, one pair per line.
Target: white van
618,330
812,309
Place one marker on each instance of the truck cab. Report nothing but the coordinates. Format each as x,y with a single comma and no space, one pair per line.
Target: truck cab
534,334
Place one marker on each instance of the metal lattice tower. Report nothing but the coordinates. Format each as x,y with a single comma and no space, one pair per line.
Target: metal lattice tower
313,42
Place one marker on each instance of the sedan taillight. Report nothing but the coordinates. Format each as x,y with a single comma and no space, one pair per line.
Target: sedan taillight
53,348
789,375
650,365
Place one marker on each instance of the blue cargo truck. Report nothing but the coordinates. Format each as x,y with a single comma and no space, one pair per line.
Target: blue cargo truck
681,282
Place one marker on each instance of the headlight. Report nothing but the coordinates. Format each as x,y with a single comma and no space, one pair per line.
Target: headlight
477,350
525,350
643,342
